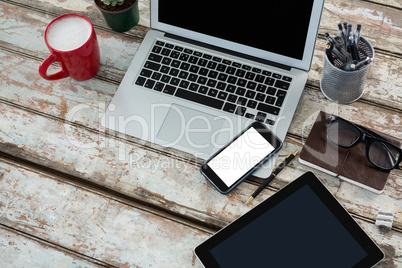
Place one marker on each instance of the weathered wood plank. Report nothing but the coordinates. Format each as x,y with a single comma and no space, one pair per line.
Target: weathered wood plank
110,231
134,170
390,3
93,225
18,251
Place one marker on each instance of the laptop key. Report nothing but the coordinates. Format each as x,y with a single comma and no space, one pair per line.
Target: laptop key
193,77
268,108
241,82
193,60
251,104
261,88
277,76
175,63
222,95
271,91
156,76
198,98
241,101
231,88
212,92
232,98
202,80
159,86
165,69
241,110
250,116
229,107
270,122
156,49
260,97
269,81
194,69
165,52
140,81
174,81
166,61
174,72
221,86
281,96
203,90
281,84
286,78
184,84
250,94
183,75
193,87
152,65
240,91
270,100
231,70
149,83
155,57
169,89
260,78
146,73
260,117
251,85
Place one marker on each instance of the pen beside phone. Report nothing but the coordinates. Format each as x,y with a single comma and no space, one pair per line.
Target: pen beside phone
272,176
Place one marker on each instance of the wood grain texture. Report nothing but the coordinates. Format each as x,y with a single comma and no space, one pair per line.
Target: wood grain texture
17,250
91,224
111,199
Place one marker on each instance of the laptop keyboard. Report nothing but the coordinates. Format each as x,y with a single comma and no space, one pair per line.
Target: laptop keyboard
215,82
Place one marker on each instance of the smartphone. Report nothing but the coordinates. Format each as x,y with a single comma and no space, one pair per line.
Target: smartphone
238,159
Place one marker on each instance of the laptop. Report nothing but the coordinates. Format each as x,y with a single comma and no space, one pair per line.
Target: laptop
207,69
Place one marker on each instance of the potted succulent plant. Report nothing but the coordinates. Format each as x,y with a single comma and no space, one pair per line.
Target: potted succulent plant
120,15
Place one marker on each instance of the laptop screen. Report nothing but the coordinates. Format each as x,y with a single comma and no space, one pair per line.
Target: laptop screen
280,31
276,26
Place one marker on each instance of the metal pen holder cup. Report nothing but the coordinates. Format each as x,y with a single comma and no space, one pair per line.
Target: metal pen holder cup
345,86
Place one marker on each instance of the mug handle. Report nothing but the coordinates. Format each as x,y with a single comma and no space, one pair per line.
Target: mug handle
45,65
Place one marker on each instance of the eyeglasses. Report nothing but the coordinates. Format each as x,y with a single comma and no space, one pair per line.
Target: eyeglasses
379,151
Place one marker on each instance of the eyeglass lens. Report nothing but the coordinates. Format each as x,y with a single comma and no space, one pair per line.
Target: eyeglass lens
343,134
383,155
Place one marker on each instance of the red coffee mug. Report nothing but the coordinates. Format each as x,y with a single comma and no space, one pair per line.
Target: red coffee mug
81,62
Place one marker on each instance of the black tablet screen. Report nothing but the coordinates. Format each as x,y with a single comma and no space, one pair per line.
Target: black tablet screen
298,230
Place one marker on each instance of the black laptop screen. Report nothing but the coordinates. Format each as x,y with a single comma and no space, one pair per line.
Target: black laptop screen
276,26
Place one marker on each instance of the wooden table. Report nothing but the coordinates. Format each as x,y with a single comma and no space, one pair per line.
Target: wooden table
74,194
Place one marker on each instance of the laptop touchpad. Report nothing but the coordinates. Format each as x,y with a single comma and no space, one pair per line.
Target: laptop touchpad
191,130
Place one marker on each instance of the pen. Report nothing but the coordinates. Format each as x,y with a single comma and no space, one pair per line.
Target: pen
364,62
272,176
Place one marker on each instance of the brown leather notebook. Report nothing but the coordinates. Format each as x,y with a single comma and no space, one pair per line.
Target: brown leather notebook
350,164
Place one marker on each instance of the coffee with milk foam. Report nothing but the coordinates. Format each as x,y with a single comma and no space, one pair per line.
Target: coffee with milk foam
68,33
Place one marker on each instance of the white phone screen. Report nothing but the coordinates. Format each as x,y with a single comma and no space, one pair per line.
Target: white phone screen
240,156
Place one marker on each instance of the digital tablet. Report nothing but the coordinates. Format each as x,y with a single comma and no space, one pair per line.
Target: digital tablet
302,225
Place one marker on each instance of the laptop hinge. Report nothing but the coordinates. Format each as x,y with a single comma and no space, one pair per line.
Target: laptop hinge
228,51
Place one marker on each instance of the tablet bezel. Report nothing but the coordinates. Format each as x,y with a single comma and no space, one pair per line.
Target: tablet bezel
375,255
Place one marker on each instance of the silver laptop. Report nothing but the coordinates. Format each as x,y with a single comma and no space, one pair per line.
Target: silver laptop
207,69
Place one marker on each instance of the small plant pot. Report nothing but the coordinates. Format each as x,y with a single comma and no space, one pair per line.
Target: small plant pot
120,18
